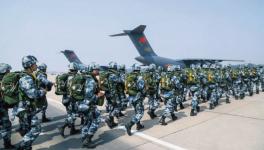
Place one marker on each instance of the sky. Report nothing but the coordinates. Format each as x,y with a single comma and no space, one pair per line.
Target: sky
220,29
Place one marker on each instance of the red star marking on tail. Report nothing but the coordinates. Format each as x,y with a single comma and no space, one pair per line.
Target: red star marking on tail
142,40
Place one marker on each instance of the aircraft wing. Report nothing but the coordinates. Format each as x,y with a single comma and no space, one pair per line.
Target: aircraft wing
206,61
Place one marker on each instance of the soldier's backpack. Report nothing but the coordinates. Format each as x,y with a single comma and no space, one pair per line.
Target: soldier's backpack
191,78
76,86
234,74
104,80
130,84
210,77
9,88
61,84
150,82
165,82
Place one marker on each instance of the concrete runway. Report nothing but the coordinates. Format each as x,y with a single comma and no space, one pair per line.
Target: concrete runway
235,126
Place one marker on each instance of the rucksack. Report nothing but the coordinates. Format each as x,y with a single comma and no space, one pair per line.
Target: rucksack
9,88
131,85
61,84
210,77
165,83
191,78
150,82
104,80
76,86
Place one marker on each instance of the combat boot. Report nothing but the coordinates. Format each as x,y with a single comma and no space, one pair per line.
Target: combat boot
110,122
139,126
192,113
44,118
151,114
82,120
173,117
61,130
257,91
87,142
211,106
175,108
227,100
128,127
8,145
198,108
162,121
181,106
73,130
215,103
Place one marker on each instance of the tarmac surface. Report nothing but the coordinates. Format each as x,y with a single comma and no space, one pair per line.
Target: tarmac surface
235,126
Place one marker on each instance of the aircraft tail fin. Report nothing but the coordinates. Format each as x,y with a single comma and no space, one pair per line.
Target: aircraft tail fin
139,40
71,56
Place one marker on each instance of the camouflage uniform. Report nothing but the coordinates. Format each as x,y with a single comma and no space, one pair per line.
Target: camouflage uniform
151,78
261,72
121,87
179,88
70,103
136,93
114,101
88,107
44,83
5,123
169,83
26,112
193,84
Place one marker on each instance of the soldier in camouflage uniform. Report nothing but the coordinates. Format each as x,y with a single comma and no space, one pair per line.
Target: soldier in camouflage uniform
179,89
44,83
70,103
261,74
26,111
121,87
169,82
204,82
223,83
135,89
151,78
5,123
255,78
193,84
114,101
88,106
212,87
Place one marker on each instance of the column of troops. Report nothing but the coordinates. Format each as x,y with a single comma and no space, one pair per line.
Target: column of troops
83,89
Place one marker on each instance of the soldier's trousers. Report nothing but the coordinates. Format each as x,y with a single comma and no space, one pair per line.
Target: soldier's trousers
31,124
153,102
5,125
71,114
137,103
194,90
170,104
91,124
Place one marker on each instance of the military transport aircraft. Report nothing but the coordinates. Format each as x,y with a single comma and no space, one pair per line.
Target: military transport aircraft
148,56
